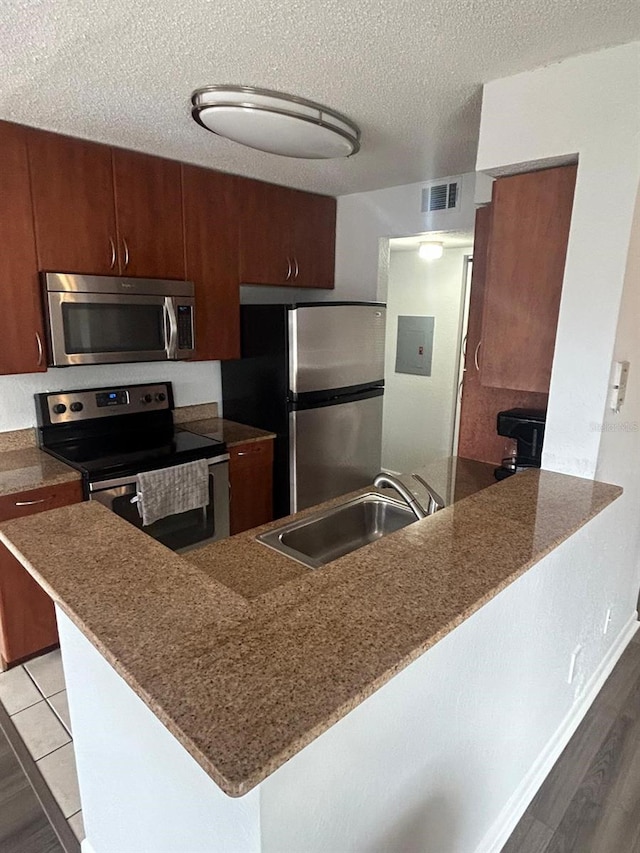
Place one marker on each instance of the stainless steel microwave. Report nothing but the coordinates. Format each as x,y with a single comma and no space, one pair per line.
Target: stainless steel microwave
95,319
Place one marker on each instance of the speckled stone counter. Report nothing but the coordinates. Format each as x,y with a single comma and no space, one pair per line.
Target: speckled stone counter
228,431
290,650
30,468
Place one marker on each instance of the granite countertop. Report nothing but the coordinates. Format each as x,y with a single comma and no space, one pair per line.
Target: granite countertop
290,650
29,468
228,431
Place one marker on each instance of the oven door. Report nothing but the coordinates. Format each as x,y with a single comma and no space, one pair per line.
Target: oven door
103,328
179,532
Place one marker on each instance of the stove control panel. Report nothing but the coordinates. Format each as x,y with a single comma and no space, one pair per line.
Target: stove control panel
73,406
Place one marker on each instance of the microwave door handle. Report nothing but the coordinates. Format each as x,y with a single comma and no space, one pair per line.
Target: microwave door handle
172,323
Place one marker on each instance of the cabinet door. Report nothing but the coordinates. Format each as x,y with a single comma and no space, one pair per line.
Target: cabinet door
21,329
479,407
211,238
27,615
314,240
148,192
525,267
266,216
251,478
73,210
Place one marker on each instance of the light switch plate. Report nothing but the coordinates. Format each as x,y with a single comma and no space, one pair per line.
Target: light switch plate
618,385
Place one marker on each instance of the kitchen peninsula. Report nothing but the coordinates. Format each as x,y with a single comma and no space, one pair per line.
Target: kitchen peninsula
246,703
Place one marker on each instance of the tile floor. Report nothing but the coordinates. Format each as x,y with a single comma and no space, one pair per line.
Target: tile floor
35,698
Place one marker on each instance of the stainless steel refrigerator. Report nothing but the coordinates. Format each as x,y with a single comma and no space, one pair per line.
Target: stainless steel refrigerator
313,373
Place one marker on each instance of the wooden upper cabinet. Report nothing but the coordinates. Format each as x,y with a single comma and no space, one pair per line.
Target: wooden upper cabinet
73,204
287,237
211,242
531,214
21,332
314,240
148,196
265,232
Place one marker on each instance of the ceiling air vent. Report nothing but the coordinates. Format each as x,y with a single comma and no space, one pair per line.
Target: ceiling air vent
440,197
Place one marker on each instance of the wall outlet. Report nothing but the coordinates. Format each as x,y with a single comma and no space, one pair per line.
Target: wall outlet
607,621
572,663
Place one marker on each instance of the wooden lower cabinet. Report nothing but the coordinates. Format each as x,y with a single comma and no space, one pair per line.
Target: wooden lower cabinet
251,478
27,615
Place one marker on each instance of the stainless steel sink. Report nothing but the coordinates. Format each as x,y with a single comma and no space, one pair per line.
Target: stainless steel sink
324,536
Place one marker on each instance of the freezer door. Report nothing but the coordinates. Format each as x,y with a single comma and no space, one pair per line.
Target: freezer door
334,450
335,346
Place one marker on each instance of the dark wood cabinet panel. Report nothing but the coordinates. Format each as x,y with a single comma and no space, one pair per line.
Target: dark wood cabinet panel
148,195
38,500
21,331
478,438
531,214
73,207
287,237
314,240
265,232
251,478
27,615
211,240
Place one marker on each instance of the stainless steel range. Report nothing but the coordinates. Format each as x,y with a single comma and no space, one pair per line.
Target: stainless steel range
113,434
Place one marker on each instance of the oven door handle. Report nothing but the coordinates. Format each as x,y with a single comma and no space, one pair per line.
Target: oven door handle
132,480
171,320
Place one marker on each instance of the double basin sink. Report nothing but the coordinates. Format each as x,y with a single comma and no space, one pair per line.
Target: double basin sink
324,536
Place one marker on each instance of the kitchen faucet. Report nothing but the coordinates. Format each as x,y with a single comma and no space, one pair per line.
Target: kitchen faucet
435,501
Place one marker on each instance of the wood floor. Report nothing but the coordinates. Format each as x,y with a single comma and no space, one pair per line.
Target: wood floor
590,802
24,827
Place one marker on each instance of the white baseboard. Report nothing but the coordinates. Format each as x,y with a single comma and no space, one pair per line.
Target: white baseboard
509,817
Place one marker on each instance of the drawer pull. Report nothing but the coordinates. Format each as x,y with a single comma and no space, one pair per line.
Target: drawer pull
32,503
249,452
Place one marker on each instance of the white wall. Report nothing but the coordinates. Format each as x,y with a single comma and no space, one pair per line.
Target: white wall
198,382
365,219
587,106
619,459
419,411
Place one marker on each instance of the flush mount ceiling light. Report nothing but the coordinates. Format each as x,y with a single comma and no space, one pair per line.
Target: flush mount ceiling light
275,122
431,251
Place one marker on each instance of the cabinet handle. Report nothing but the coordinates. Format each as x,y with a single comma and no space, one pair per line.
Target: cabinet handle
113,253
289,269
460,391
248,452
126,252
32,503
295,260
475,357
40,349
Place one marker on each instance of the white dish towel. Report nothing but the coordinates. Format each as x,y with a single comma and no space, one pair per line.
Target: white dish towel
169,491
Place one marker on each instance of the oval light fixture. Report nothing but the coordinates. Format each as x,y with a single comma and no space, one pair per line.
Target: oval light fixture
275,122
430,251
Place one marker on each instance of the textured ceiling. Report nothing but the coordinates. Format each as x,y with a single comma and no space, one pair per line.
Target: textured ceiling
408,72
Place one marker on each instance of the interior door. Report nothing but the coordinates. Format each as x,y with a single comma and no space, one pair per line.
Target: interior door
336,346
334,449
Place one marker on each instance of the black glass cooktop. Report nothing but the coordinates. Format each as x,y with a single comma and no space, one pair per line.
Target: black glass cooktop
129,453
